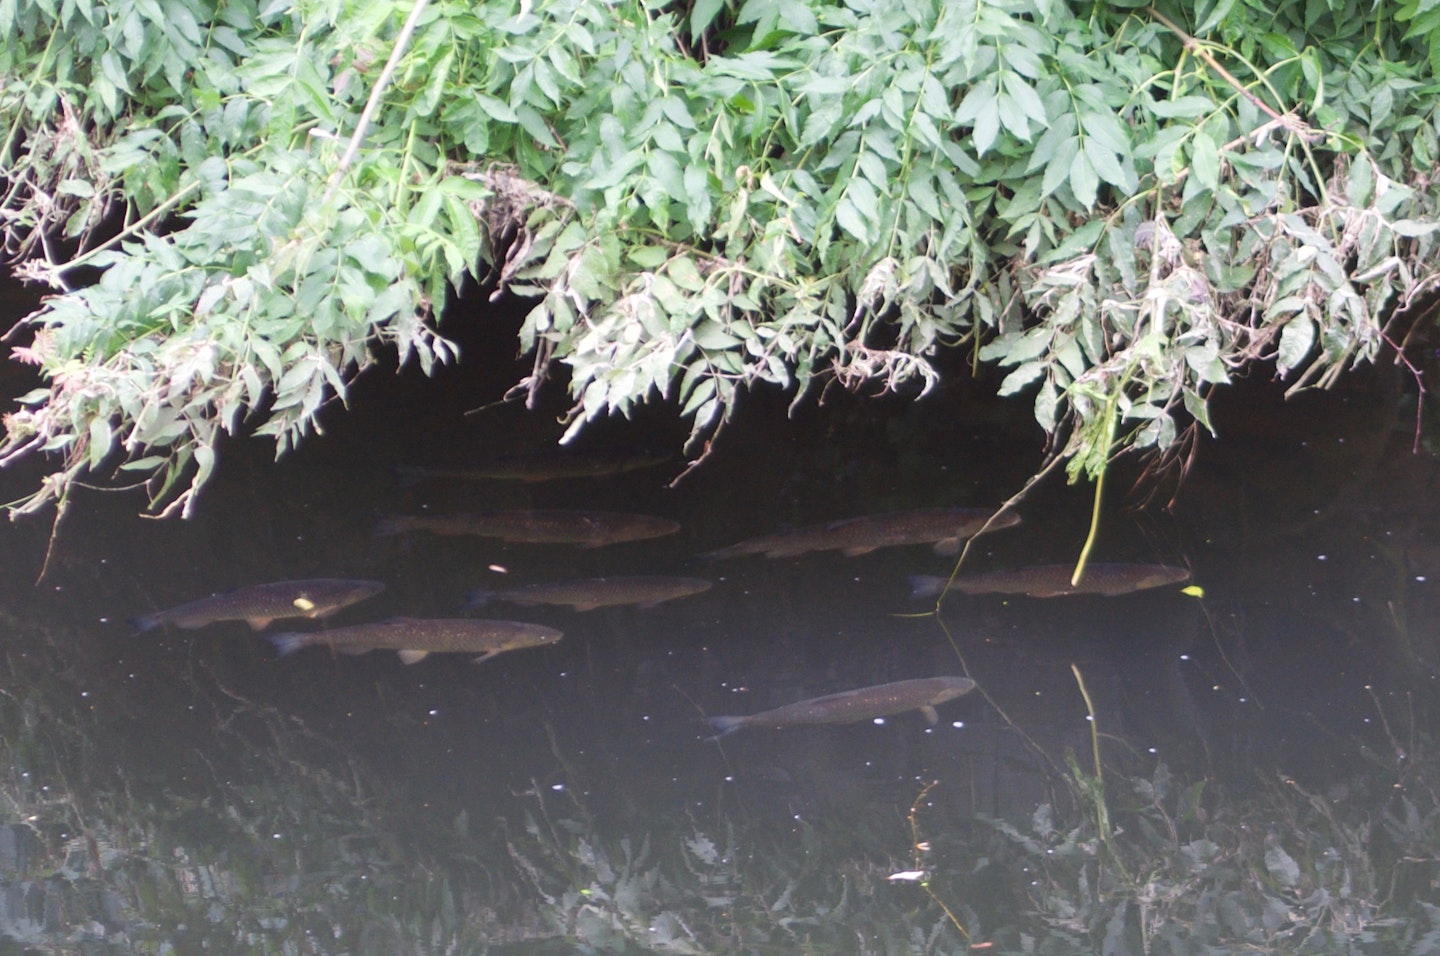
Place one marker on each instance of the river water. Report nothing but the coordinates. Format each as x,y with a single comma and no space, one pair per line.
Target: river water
192,788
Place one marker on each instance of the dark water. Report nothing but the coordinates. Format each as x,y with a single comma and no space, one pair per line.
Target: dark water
193,776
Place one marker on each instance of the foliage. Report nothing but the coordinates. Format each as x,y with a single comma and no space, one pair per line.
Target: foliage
1287,872
1123,205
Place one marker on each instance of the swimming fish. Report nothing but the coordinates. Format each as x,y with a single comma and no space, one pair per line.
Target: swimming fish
1053,580
259,604
943,527
417,637
589,529
864,703
586,594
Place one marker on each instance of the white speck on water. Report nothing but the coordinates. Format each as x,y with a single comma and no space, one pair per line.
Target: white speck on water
958,724
645,717
557,787
84,693
1420,578
433,713
104,620
1320,557
498,568
1184,657
1154,750
879,721
1089,717
729,778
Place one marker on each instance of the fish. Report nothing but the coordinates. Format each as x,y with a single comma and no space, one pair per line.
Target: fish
259,604
863,703
586,594
547,464
416,637
945,528
1053,580
588,529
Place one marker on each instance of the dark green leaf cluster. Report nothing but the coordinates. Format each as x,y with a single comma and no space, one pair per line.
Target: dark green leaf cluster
1121,205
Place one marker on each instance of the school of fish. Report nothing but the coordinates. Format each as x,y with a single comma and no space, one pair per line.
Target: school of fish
415,638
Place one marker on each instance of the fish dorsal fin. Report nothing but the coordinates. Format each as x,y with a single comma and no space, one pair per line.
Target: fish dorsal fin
412,656
930,714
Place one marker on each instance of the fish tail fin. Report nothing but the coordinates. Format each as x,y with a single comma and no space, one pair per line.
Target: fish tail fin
146,622
287,644
926,585
478,597
723,726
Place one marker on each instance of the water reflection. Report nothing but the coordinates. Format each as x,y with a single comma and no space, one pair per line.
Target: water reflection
192,788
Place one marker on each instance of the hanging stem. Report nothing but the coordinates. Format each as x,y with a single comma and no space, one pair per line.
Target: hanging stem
402,43
1111,415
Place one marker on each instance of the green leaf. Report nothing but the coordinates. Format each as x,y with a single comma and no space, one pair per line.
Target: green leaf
683,273
1205,160
497,108
102,439
712,336
1083,181
1217,15
647,257
1021,377
1297,338
851,220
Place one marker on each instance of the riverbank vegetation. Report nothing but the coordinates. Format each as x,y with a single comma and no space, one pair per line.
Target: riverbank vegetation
1121,205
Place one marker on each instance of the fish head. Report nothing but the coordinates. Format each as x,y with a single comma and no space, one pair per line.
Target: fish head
359,590
952,687
1157,576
